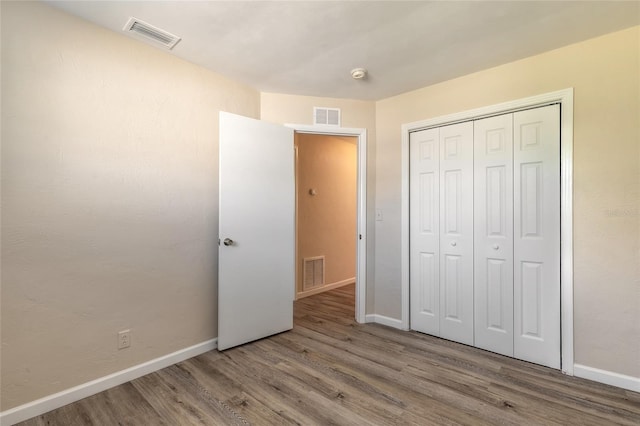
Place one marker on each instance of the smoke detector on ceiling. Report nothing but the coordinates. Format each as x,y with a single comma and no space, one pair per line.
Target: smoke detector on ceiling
149,32
358,73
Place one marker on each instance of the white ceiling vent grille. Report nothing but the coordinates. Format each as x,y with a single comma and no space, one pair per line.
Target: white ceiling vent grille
149,32
326,116
312,272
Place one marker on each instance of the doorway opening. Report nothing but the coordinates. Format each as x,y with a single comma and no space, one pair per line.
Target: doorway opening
331,212
256,235
326,212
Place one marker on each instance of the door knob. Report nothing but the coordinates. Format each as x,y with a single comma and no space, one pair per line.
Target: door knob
228,242
453,244
496,247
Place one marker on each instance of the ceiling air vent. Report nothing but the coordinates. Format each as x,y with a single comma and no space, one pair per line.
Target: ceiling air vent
326,116
149,32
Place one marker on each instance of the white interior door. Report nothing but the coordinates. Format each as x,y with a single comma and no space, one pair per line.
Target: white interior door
456,232
493,230
256,257
424,230
537,235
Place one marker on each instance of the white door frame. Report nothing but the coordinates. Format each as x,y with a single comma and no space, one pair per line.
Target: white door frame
361,226
565,98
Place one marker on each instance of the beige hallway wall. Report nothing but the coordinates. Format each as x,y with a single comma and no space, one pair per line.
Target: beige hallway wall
605,74
109,200
327,220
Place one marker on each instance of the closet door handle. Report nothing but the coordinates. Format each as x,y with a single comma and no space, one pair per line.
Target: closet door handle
496,247
453,244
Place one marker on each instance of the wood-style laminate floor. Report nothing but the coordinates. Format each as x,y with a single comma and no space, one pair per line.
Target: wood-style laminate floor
330,370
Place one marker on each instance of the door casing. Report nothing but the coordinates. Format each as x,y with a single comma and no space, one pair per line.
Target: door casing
565,98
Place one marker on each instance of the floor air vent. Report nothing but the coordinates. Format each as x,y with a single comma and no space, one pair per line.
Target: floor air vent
149,32
313,272
326,116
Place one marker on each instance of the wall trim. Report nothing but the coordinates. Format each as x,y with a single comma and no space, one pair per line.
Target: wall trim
361,231
607,377
565,98
381,319
76,393
325,287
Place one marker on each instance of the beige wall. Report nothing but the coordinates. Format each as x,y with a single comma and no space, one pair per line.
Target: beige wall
109,200
327,220
605,74
293,109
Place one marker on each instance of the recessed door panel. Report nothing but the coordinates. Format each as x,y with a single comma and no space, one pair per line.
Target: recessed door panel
531,200
428,285
537,240
452,288
497,281
426,208
456,238
424,228
452,146
452,199
496,199
428,149
530,303
493,232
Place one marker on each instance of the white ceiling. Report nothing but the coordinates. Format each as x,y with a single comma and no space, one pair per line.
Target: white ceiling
309,48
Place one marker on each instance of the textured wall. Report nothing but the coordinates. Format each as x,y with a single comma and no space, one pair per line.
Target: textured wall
604,73
109,200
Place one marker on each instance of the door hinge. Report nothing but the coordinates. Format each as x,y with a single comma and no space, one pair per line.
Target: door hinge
360,236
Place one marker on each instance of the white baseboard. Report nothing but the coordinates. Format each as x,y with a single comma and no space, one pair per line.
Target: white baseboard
381,319
607,377
324,288
57,400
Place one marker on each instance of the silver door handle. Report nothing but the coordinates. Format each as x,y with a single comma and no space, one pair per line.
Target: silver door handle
496,247
453,244
228,242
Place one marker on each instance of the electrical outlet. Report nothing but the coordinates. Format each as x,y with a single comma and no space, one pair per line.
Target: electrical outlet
124,339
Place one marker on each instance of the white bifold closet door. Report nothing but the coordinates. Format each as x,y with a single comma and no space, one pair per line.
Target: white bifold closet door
424,230
517,235
485,233
456,232
493,230
441,229
536,249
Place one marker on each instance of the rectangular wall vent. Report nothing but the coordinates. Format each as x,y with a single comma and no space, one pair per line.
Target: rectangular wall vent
149,32
312,272
326,116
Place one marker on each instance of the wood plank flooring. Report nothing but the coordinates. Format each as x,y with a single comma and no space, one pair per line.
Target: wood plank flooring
330,370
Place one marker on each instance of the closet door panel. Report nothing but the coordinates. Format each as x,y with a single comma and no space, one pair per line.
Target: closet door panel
456,232
424,229
537,235
493,234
